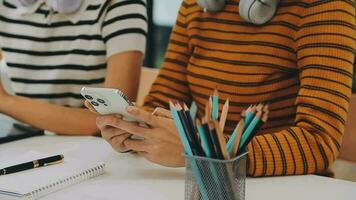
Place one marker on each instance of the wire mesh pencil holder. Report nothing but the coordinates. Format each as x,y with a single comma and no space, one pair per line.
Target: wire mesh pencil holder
212,179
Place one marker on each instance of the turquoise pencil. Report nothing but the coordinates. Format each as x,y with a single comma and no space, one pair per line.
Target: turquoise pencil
215,105
189,152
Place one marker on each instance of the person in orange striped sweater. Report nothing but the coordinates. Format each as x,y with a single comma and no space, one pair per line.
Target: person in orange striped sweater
300,63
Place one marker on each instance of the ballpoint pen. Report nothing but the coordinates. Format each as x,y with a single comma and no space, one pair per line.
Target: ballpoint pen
32,164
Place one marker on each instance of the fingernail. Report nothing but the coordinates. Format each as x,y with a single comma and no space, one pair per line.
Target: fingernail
130,109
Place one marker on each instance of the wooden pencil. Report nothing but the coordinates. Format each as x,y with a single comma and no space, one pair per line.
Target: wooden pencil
248,136
221,140
224,113
208,110
236,142
215,139
187,129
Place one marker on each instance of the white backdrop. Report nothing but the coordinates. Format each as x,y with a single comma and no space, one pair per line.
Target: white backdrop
165,12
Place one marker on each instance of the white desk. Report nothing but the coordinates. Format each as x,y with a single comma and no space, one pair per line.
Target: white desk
131,177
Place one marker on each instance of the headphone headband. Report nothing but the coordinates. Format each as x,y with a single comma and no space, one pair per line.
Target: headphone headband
254,11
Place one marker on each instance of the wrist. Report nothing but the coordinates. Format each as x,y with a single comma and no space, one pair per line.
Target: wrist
6,103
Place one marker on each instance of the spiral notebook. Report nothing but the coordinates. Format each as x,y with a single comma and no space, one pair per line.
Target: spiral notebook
36,183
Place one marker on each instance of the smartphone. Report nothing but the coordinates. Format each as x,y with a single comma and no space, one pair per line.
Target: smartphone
109,101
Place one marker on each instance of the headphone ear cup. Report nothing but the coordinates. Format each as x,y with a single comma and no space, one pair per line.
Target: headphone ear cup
212,5
258,11
65,6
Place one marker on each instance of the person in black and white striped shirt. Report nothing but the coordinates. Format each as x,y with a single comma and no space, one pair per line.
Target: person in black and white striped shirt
53,50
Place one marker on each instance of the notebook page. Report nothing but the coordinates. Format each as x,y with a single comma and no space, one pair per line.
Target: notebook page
27,181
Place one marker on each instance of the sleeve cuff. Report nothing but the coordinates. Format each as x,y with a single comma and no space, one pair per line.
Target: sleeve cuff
125,43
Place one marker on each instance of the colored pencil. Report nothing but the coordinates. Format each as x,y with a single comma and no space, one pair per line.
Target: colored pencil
189,152
206,129
223,116
206,140
215,105
214,137
236,143
221,140
190,132
234,134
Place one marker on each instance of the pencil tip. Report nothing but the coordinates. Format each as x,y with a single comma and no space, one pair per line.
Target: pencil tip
265,116
216,92
178,106
260,107
171,105
198,122
185,107
266,108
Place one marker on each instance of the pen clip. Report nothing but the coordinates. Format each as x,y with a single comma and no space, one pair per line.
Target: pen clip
53,163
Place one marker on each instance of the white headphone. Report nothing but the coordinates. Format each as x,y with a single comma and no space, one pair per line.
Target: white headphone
254,11
61,6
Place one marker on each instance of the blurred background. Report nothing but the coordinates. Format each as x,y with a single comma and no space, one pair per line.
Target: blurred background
162,17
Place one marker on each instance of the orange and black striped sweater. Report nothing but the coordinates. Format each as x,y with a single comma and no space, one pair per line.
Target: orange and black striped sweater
300,63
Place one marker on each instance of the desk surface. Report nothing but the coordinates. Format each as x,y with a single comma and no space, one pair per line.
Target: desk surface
130,177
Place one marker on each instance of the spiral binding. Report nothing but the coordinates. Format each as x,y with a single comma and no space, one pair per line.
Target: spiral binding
71,180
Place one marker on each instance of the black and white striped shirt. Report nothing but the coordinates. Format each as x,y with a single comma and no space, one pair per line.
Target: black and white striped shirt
50,56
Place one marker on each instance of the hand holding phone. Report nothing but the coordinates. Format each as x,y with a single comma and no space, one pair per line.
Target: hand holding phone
108,101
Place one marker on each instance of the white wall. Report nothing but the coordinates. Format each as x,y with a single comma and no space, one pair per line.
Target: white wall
165,12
